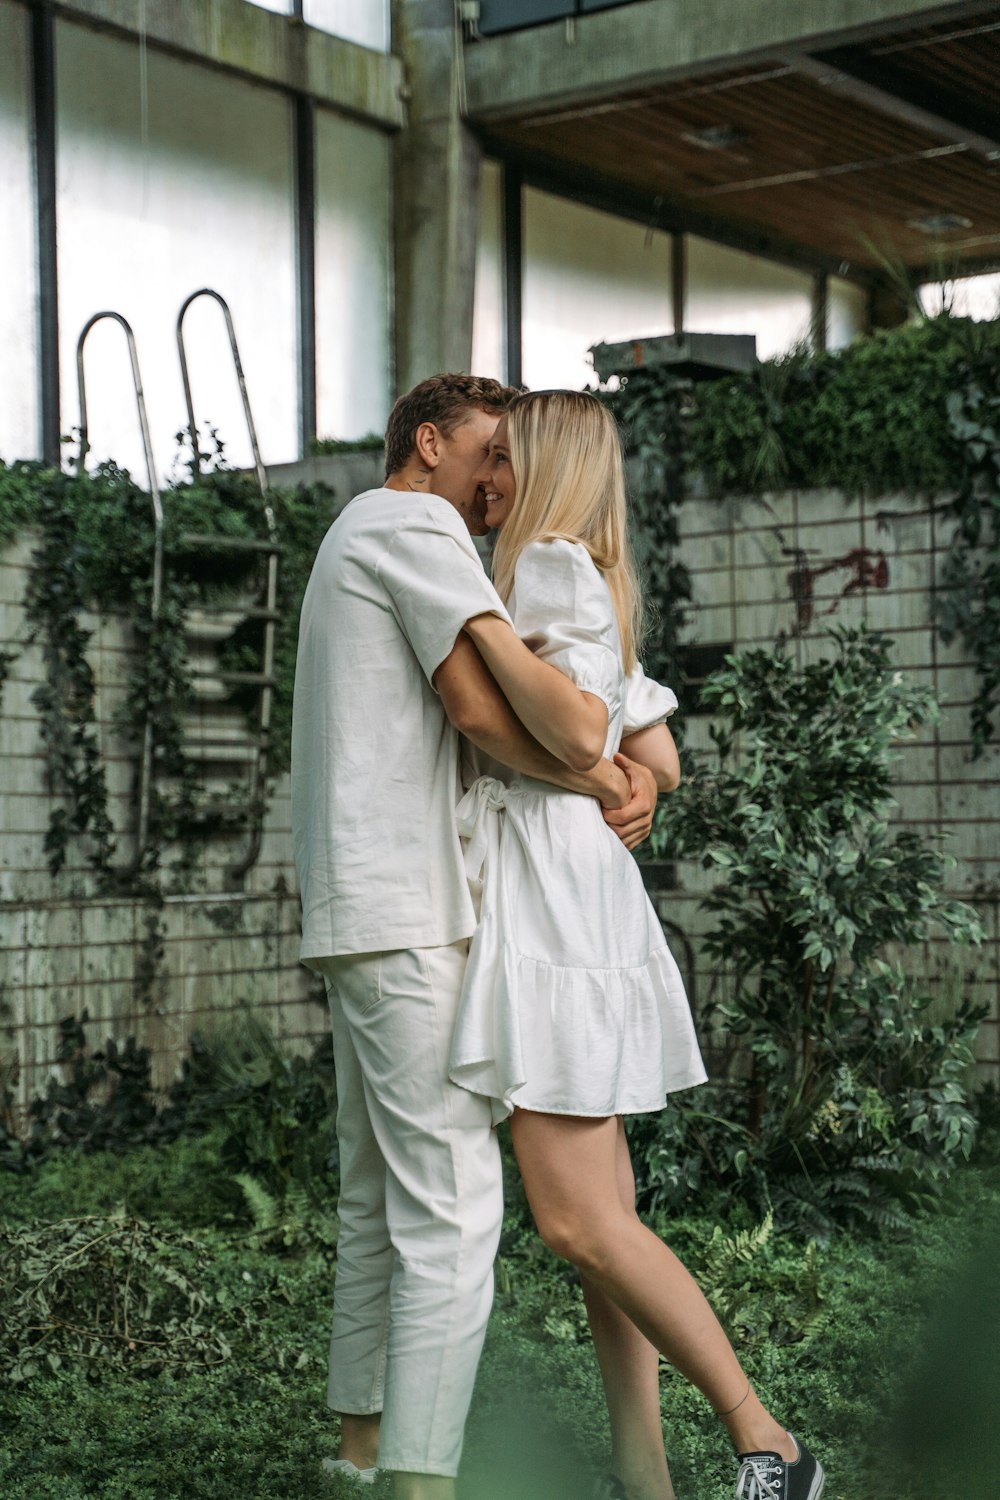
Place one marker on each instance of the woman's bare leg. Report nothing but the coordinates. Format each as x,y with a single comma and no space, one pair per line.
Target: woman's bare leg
569,1169
630,1370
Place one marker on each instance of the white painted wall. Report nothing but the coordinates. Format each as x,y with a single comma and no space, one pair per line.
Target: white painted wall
847,312
965,296
18,296
171,177
366,22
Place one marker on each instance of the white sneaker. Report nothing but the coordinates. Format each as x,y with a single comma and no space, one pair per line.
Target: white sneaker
342,1468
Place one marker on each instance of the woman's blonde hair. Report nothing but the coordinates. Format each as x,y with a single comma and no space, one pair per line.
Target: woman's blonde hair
566,457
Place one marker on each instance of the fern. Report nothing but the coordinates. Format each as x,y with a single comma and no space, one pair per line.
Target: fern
729,1263
264,1208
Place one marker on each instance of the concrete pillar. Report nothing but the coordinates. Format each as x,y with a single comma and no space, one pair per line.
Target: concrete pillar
436,198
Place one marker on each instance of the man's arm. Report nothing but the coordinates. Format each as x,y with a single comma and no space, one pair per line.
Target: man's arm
478,709
570,723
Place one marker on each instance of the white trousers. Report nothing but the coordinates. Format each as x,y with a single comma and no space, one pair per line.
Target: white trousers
420,1205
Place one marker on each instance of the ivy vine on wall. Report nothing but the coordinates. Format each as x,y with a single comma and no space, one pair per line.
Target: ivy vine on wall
649,410
967,603
913,409
93,552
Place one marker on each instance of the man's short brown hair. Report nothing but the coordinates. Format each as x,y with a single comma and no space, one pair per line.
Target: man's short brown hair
445,400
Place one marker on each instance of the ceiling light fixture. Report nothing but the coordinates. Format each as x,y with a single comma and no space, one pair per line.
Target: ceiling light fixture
939,223
717,137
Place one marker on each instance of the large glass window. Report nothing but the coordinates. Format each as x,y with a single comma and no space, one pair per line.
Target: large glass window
487,319
964,296
589,278
847,312
353,277
729,291
18,295
362,21
173,177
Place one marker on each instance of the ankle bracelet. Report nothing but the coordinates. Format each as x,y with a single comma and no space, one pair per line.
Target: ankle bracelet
738,1404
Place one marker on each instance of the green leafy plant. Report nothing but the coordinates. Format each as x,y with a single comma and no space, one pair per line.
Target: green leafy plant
103,1100
296,1222
97,1293
271,1114
372,442
871,418
911,409
833,1088
274,1110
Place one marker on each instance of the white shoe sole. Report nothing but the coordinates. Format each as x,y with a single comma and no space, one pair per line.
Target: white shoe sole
816,1488
342,1468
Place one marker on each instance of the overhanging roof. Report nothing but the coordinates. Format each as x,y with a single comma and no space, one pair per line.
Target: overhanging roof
846,143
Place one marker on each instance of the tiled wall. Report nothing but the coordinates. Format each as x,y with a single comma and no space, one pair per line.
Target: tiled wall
64,949
793,564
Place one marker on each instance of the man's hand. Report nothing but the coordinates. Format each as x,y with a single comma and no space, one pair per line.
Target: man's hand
633,821
609,784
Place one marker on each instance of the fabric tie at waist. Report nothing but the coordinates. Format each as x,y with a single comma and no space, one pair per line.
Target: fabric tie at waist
478,819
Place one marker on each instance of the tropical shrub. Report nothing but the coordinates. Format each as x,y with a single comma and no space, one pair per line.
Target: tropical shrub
835,1088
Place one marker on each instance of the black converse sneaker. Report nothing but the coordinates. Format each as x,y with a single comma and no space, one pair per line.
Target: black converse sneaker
768,1476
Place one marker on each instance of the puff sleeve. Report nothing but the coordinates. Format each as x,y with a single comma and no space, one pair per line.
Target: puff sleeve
562,610
646,702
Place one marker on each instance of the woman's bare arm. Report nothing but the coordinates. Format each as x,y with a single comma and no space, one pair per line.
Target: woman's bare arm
654,748
478,709
570,723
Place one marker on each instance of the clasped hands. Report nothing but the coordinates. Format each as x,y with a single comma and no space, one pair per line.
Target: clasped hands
633,819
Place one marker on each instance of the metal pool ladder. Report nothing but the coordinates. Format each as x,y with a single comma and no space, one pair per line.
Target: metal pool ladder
146,752
220,746
227,743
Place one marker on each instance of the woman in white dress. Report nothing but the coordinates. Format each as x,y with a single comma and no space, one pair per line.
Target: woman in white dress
574,1013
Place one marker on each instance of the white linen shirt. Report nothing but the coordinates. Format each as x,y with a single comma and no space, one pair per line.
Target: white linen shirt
375,760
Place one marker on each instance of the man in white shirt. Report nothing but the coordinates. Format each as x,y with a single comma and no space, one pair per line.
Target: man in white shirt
385,682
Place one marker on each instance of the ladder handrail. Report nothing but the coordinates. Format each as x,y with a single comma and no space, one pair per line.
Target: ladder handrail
239,868
262,479
146,762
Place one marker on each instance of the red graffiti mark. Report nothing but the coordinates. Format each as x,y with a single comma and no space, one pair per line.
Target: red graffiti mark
867,570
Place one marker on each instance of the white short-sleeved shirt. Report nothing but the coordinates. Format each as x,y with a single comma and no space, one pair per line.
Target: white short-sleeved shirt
374,757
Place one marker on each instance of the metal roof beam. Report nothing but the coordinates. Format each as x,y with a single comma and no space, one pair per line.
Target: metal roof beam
875,82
